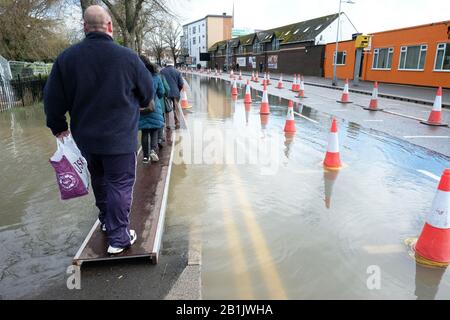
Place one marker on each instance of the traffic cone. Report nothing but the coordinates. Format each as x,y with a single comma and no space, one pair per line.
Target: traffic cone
329,177
184,100
265,108
253,76
433,245
234,90
257,77
248,94
436,114
280,82
294,84
345,95
268,79
240,75
264,83
289,127
373,106
301,91
332,158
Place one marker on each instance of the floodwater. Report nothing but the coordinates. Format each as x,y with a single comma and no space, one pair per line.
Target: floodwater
279,226
269,221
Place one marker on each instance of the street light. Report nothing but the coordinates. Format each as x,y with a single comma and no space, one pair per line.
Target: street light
337,40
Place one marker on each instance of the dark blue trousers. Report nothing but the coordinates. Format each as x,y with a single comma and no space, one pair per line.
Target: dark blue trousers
113,178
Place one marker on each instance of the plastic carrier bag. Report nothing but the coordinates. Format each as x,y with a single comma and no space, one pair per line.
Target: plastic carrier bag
72,174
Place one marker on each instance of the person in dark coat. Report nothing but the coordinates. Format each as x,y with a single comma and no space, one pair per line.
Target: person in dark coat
151,123
102,86
176,83
161,134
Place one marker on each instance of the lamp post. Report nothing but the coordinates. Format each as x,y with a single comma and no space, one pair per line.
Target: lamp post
337,41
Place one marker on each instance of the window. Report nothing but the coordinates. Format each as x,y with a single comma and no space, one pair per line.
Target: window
341,56
194,30
275,44
296,31
199,39
442,57
382,58
193,40
306,30
258,47
412,58
318,27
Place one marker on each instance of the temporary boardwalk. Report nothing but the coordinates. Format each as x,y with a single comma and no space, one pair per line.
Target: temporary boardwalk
147,212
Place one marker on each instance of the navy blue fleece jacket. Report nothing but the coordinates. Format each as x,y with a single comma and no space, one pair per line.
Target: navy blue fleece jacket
102,86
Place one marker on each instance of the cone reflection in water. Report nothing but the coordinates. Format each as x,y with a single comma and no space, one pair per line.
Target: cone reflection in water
427,282
288,142
248,108
329,177
264,121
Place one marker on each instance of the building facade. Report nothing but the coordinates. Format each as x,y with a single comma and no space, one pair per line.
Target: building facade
295,48
418,55
199,35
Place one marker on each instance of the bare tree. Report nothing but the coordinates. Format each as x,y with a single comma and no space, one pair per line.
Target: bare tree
156,45
171,36
30,30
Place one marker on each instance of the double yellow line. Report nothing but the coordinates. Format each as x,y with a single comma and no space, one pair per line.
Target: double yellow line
265,260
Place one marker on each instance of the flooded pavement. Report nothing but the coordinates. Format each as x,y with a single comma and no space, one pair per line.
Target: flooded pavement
269,222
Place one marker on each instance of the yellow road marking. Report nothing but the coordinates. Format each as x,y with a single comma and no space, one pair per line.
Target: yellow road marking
242,277
265,260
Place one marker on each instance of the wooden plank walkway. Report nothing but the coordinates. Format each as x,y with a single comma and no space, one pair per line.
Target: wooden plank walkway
147,212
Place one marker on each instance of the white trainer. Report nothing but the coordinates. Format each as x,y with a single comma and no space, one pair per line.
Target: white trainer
133,238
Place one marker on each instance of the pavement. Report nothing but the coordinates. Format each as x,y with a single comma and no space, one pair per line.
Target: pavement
416,94
399,118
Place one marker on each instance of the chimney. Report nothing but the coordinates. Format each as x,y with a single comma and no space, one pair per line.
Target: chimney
224,13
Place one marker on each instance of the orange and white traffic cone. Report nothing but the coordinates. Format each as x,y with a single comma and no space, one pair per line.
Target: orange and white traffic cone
332,158
234,90
301,91
280,82
184,100
373,106
264,83
268,79
289,127
433,246
345,95
265,108
329,177
294,84
248,94
435,118
240,75
257,77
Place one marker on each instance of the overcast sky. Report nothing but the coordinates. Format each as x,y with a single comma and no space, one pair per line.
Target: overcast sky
367,15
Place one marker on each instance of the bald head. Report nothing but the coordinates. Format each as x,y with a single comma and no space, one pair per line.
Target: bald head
97,19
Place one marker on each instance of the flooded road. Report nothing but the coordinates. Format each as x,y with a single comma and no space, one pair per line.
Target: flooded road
282,227
269,221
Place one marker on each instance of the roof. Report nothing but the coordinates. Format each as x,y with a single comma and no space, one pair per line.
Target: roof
446,22
297,32
208,16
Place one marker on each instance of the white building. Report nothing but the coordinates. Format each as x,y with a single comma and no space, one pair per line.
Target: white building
199,35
